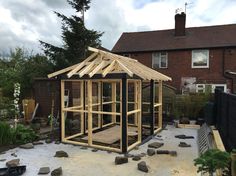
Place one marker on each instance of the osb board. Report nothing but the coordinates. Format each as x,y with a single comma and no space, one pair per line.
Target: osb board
111,135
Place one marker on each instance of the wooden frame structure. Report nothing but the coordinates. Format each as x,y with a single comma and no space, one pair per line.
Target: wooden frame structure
124,77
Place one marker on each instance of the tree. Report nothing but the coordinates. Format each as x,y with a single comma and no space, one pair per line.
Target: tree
22,68
75,36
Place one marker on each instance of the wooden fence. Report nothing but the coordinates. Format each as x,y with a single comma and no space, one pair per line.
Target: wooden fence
225,121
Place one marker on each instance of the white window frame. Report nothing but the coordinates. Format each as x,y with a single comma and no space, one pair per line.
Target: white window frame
198,88
213,87
158,55
204,66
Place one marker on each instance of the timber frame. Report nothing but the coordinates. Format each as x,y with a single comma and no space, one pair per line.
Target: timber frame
125,78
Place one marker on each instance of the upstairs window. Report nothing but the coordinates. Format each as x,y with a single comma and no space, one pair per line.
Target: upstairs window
160,60
200,59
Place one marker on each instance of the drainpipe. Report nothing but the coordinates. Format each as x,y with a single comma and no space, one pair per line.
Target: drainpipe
227,73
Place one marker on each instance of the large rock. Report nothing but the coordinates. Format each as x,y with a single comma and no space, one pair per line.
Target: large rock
142,166
121,160
155,145
57,172
44,170
184,120
27,146
61,154
13,163
2,160
136,158
184,144
38,143
150,152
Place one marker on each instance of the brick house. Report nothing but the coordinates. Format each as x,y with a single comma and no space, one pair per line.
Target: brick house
197,58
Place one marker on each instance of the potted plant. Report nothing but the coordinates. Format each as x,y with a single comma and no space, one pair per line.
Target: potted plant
213,160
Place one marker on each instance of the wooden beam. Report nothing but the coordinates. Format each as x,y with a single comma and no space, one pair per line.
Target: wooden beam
134,111
139,99
124,68
100,103
77,68
97,68
82,105
62,112
86,69
90,120
113,92
160,102
136,102
123,116
62,71
152,100
109,68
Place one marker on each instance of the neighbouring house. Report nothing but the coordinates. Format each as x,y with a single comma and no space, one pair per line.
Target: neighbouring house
196,58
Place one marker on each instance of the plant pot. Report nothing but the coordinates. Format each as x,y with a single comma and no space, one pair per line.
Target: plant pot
233,163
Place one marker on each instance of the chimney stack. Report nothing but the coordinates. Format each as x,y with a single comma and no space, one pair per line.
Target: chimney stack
180,20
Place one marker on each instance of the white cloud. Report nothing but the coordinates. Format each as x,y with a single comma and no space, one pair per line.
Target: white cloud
23,23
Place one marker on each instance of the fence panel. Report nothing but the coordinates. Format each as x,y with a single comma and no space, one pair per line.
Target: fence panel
225,108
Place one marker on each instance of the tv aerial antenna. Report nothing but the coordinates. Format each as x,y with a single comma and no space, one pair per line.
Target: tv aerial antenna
185,6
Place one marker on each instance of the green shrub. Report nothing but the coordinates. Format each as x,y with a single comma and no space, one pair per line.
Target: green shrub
212,160
6,133
18,135
24,134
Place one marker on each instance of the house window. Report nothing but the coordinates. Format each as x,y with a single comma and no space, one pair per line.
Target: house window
160,60
221,87
210,88
200,88
200,59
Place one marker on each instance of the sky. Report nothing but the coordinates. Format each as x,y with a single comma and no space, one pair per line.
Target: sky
24,22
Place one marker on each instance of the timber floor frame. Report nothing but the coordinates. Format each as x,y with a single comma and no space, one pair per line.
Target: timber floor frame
86,109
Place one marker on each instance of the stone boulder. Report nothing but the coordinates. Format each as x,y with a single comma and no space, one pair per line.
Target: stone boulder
61,154
57,172
27,146
142,166
136,158
121,160
44,170
155,145
13,163
151,152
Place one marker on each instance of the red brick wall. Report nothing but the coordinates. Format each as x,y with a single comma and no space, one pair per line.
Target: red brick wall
179,65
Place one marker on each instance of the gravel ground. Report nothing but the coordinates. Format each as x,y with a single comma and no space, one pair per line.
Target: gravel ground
87,163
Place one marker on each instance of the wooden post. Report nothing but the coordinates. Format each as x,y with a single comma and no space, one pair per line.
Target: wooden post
90,120
136,92
100,104
82,104
124,115
139,106
160,107
59,109
113,84
152,109
62,111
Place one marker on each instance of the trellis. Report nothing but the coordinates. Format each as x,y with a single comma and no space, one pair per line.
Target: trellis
88,78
